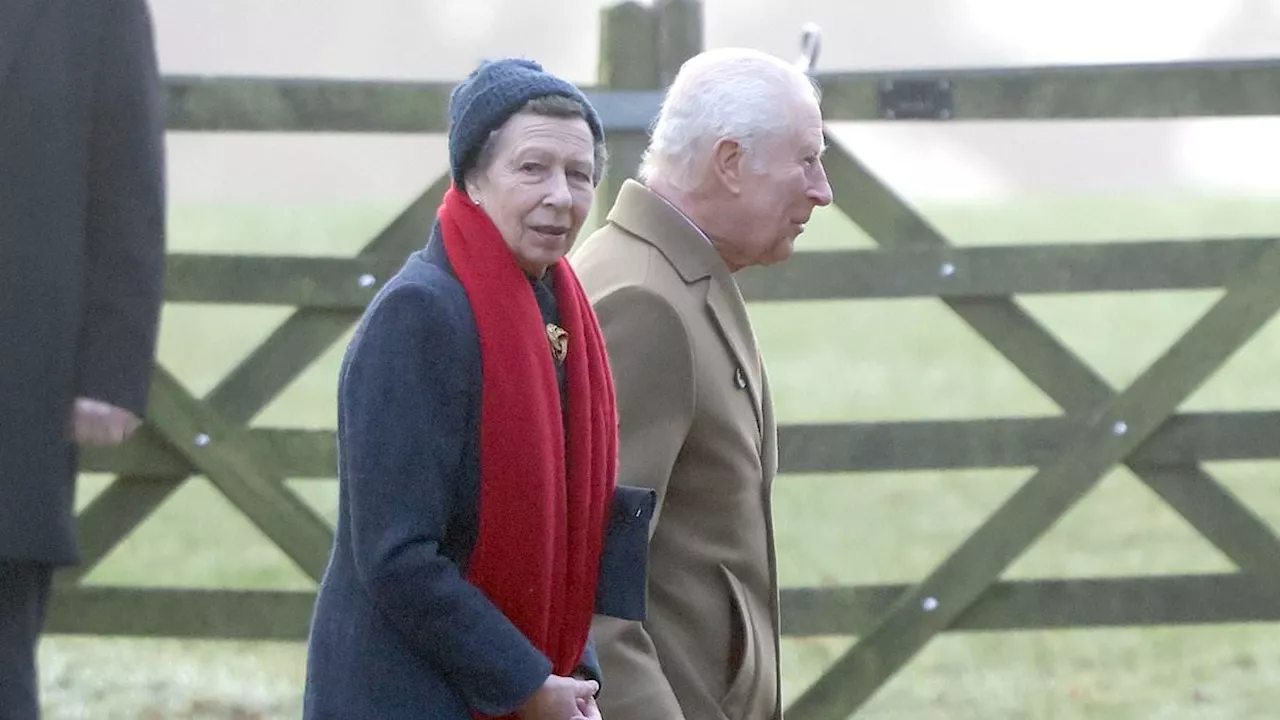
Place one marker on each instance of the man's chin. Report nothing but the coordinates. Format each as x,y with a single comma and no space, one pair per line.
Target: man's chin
780,252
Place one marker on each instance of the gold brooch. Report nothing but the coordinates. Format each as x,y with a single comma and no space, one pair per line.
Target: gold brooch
559,338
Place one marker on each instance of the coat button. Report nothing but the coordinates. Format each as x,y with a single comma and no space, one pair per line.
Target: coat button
740,379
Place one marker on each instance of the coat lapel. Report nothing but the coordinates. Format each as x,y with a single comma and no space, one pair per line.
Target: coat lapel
730,313
644,214
769,444
16,19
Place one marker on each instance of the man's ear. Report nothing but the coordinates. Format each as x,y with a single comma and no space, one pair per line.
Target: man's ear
728,162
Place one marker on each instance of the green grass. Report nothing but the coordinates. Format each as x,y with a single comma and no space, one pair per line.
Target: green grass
829,361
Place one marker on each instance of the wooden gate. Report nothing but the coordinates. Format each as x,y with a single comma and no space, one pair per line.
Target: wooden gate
641,48
1099,429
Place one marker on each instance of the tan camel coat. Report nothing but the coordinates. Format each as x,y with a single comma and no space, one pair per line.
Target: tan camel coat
697,426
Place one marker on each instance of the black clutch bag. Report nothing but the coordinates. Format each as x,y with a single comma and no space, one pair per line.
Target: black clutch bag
624,562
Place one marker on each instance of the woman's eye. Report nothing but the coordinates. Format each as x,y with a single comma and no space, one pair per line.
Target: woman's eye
531,167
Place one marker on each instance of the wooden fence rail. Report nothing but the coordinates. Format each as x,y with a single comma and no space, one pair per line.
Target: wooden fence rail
641,47
1144,90
334,283
813,448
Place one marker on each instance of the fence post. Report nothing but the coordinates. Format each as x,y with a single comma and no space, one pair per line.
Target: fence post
679,35
641,48
628,61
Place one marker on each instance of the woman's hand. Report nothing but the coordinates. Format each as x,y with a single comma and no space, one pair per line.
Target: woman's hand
560,698
589,709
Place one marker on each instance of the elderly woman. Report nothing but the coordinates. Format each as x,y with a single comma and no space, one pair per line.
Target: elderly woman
477,438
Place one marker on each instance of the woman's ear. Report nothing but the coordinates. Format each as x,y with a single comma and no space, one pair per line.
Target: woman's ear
472,191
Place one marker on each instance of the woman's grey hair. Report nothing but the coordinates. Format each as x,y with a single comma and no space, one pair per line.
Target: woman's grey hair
555,106
742,94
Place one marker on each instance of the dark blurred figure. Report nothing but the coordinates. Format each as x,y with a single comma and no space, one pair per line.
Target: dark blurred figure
82,243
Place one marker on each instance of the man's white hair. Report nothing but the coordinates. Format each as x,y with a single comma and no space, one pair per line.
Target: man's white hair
737,93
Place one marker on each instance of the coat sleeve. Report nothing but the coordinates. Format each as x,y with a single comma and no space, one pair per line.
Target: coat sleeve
589,666
652,360
125,219
405,419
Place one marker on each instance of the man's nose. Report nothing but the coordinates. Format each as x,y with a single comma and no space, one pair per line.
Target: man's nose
820,191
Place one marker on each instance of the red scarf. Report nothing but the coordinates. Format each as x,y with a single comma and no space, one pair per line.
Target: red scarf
543,501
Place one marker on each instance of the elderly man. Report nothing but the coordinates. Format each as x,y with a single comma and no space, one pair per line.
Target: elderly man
731,176
82,243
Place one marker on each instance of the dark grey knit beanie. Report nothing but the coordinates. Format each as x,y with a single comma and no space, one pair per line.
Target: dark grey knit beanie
490,95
